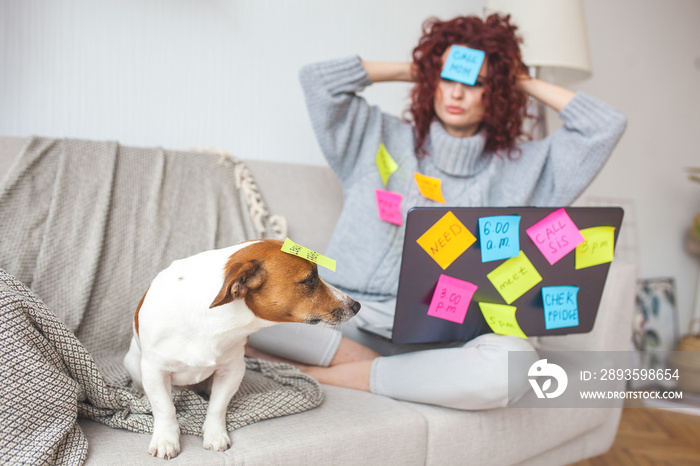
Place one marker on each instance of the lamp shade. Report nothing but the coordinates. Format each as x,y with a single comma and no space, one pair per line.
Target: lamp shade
554,36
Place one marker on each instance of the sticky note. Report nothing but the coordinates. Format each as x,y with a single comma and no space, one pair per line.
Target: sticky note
499,237
446,240
501,319
598,247
514,277
290,247
389,206
555,236
463,65
430,187
451,299
560,306
385,163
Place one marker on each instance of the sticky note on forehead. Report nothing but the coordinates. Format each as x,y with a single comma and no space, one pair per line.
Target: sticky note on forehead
446,240
463,65
290,247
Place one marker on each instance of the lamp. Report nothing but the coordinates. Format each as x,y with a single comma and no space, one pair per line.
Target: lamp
555,42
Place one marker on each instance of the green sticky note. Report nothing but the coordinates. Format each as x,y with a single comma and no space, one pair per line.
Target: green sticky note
514,277
386,165
501,319
290,247
597,248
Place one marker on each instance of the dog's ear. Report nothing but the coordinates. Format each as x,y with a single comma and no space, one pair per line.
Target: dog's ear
241,278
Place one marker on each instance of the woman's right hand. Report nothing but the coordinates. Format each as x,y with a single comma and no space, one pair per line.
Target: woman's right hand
382,71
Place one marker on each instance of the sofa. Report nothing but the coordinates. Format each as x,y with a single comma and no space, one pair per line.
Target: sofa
353,427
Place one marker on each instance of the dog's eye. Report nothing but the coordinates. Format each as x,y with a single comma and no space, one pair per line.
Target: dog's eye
311,281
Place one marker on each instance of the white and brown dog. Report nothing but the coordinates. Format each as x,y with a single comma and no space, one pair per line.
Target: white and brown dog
191,329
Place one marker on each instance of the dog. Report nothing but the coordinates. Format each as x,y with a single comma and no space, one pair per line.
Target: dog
192,326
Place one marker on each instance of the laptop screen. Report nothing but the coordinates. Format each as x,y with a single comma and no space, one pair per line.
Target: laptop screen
517,271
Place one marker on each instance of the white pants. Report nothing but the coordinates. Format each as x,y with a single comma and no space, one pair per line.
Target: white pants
468,376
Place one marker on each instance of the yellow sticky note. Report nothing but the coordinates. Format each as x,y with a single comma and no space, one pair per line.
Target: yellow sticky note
290,247
385,163
446,240
514,277
598,247
430,187
501,319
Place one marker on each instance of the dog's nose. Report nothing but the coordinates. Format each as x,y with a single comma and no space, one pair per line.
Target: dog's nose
355,308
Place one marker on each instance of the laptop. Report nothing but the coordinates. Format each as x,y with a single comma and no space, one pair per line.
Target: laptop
524,271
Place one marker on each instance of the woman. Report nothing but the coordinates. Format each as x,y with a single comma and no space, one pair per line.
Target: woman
468,137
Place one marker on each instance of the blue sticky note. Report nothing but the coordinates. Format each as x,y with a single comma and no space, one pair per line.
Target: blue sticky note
463,65
499,237
560,306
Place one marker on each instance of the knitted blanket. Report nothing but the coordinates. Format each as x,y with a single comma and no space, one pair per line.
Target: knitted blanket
86,226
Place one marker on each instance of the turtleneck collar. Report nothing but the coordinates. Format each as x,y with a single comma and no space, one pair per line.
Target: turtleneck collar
456,156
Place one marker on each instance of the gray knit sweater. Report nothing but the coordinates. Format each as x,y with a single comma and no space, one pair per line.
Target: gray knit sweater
551,172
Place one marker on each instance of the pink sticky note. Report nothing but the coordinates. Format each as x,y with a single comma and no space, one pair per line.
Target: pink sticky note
389,206
556,235
451,299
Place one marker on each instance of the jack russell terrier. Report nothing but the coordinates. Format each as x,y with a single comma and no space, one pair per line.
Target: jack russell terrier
191,329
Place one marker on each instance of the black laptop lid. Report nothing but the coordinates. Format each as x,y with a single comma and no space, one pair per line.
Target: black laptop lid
572,294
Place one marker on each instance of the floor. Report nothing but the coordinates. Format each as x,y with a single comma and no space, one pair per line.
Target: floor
649,436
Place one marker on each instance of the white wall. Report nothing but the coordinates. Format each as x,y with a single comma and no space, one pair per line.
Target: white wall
182,73
646,60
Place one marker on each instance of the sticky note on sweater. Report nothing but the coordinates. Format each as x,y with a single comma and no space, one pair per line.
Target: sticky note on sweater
430,187
385,163
389,206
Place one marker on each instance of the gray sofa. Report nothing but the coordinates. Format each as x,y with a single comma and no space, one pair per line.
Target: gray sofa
352,427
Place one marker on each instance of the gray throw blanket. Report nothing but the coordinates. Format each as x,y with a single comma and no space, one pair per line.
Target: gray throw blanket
86,226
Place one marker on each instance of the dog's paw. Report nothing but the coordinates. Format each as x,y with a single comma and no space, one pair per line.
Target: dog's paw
217,440
166,446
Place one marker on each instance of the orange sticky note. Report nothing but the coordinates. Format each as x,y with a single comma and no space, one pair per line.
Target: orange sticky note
430,187
446,240
514,277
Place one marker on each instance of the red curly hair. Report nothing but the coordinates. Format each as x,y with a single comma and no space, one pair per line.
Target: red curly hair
504,105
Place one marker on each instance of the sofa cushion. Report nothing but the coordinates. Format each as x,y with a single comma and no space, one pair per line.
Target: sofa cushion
504,435
350,427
